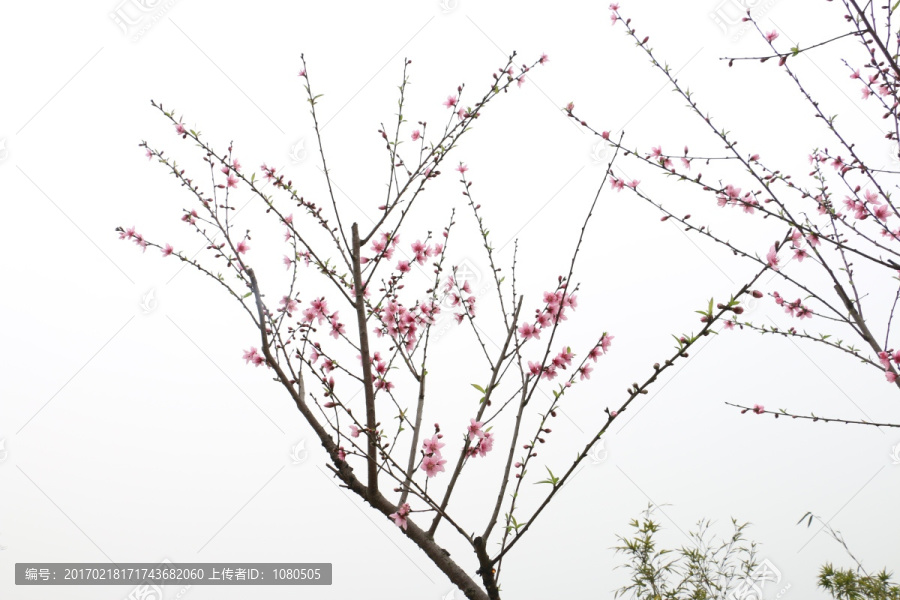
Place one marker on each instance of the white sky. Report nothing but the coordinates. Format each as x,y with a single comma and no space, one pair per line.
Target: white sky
136,436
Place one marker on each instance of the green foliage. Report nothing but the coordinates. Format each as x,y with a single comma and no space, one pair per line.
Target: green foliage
850,584
847,584
709,569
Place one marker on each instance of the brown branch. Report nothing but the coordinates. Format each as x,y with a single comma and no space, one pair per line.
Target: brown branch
780,413
360,306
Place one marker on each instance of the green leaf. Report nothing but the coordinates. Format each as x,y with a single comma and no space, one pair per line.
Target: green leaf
478,387
553,480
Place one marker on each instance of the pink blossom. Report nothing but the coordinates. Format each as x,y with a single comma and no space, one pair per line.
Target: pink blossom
167,250
450,102
544,58
800,254
759,409
534,368
433,445
149,154
462,168
772,257
252,355
342,454
729,325
337,328
474,429
890,376
383,384
289,304
544,319
771,35
433,464
232,181
528,331
354,431
486,444
416,135
403,266
242,247
179,127
399,517
605,342
564,358
585,371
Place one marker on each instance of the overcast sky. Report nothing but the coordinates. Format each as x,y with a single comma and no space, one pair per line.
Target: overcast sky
132,430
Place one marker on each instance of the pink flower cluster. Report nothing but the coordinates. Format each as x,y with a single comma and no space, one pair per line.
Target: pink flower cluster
554,311
400,323
190,217
485,439
872,203
306,256
288,305
885,359
380,373
253,355
422,253
384,246
129,234
458,297
399,517
328,365
318,311
732,197
433,463
268,172
619,184
562,361
883,89
795,308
